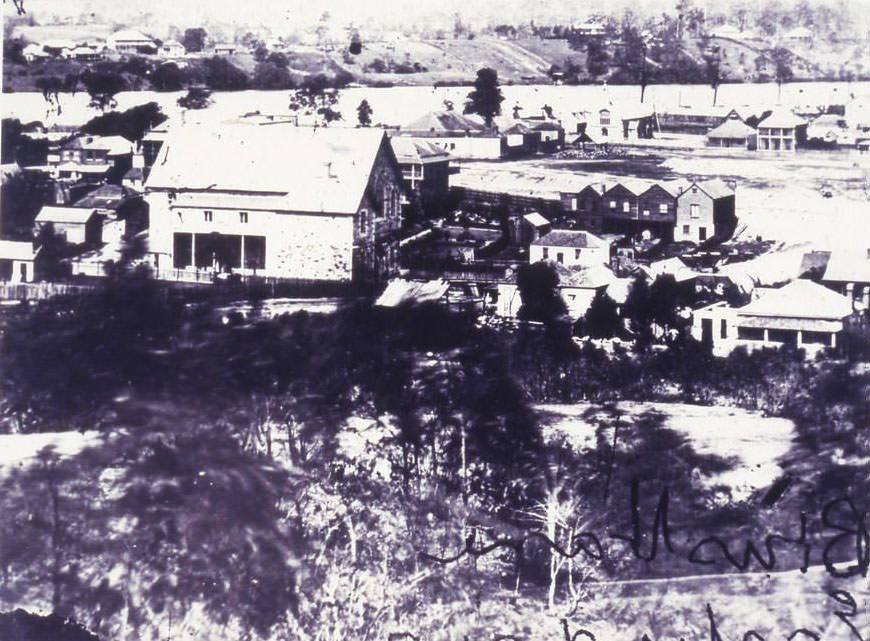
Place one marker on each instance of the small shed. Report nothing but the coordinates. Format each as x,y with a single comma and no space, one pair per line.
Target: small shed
76,224
532,226
16,261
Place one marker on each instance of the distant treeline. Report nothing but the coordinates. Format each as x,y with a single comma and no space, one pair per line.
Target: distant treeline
137,73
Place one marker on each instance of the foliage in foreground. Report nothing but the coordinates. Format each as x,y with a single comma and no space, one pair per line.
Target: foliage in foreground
302,476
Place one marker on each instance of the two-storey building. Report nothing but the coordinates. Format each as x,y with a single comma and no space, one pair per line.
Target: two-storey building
425,168
782,130
704,210
274,200
90,158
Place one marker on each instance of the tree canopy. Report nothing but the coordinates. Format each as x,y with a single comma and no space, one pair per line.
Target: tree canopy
486,97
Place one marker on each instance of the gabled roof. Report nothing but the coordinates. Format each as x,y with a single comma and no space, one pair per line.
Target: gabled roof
673,266
570,238
66,215
34,49
114,145
304,169
59,44
848,266
673,187
732,129
800,299
445,122
716,188
105,197
129,35
636,187
670,187
781,117
591,277
415,150
535,219
598,188
15,250
406,292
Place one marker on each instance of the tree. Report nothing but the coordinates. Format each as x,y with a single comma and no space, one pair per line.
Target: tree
712,67
53,248
24,626
222,75
103,86
638,311
50,86
194,39
167,77
631,57
597,58
602,318
191,542
269,75
196,98
782,67
364,113
131,123
355,47
486,97
538,285
317,99
23,195
260,52
12,50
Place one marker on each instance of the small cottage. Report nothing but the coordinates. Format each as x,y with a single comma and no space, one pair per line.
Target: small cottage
801,314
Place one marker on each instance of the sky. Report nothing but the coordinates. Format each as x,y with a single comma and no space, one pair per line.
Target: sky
286,15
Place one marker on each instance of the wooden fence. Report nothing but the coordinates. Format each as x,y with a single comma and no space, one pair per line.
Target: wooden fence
37,291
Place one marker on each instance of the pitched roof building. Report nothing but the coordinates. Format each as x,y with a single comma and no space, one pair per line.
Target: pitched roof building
733,133
274,200
801,314
570,247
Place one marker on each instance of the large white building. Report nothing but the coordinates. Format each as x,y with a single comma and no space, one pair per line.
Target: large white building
129,41
274,200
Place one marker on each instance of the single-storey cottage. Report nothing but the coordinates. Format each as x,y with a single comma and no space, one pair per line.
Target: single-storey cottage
570,247
802,314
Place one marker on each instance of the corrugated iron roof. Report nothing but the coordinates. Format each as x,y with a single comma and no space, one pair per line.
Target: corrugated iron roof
848,266
800,299
569,238
414,150
445,122
306,169
731,129
66,215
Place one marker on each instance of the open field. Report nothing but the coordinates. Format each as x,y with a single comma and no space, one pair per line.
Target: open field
751,441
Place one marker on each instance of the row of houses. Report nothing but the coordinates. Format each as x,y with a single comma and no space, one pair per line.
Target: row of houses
125,41
779,129
466,136
679,210
801,313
